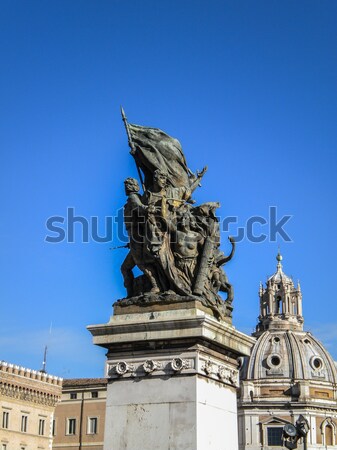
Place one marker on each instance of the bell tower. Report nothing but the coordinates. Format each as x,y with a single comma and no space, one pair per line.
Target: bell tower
280,303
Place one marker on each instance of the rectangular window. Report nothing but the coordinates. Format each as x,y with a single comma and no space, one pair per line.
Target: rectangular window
92,425
94,394
73,395
41,427
71,426
5,419
274,435
24,420
54,427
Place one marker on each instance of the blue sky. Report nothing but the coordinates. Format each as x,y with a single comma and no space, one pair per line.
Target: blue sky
249,88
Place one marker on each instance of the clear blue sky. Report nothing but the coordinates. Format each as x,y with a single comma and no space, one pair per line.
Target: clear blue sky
248,87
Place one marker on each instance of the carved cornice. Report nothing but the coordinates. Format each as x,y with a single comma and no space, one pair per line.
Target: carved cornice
220,371
224,373
147,367
266,405
28,395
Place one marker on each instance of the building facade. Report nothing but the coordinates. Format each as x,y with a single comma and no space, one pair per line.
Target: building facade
27,403
289,373
80,417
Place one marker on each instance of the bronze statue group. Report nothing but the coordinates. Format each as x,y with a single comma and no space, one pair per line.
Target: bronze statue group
174,243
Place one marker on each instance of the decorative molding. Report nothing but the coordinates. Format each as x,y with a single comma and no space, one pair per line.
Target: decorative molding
141,368
208,367
228,375
28,395
218,371
123,367
150,366
178,364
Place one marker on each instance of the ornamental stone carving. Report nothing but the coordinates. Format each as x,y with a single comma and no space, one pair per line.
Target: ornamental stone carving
123,367
219,371
150,365
223,373
136,368
208,367
178,364
28,395
228,375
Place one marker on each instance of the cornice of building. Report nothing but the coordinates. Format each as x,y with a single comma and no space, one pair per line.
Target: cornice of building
25,394
270,406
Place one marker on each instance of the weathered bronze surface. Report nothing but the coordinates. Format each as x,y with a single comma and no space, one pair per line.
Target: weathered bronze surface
173,242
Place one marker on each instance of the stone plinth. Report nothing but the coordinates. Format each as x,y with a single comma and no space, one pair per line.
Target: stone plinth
173,377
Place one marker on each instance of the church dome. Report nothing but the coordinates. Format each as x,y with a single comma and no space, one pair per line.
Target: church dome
289,374
288,354
283,351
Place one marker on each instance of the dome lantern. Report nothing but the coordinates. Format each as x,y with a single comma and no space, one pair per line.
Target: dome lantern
280,303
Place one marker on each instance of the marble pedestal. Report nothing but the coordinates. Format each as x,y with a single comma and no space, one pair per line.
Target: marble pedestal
173,377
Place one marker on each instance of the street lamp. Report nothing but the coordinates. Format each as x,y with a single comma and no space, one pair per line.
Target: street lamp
292,433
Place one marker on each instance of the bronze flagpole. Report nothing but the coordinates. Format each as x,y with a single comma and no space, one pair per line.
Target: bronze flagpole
131,145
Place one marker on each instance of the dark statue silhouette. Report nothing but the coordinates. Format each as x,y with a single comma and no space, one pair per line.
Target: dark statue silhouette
173,242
